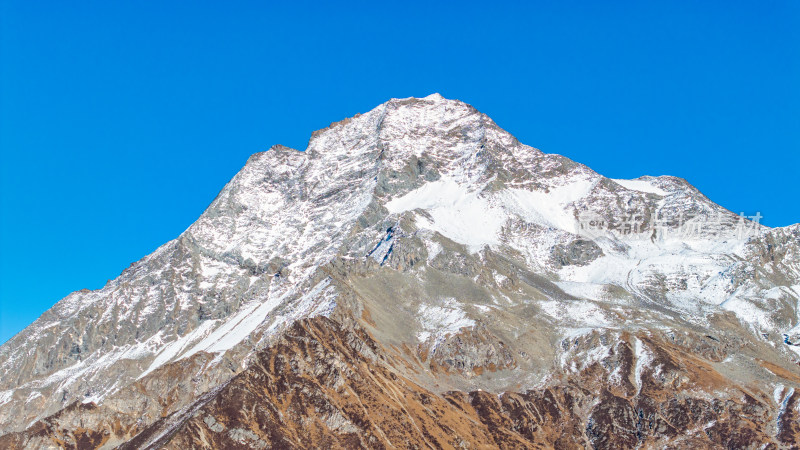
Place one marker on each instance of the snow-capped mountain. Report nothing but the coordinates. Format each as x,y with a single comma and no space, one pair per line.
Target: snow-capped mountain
466,268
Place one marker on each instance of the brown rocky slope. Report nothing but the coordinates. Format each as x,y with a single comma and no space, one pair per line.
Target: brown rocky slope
324,385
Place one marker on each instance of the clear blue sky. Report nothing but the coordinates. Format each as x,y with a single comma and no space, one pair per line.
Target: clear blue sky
120,121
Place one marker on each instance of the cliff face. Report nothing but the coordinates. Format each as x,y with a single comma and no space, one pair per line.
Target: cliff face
419,278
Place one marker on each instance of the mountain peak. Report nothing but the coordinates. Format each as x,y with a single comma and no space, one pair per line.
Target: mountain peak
435,97
425,239
414,111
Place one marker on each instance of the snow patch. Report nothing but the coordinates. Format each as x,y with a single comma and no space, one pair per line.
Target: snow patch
548,208
641,186
475,219
174,348
455,211
243,323
434,249
576,312
5,396
643,359
33,396
440,320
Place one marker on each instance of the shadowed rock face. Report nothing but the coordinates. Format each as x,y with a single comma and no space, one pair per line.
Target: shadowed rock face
418,278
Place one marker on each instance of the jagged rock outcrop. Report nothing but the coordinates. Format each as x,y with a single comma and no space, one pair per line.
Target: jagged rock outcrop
417,277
